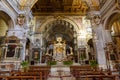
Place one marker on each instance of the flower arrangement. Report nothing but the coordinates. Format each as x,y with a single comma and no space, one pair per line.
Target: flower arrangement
51,63
93,63
68,62
24,64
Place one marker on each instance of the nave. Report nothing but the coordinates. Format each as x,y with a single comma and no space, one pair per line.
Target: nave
76,73
59,40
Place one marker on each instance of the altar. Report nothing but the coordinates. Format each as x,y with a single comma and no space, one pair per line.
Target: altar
59,52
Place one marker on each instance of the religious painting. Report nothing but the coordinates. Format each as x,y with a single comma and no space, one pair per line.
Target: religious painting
10,51
36,54
82,53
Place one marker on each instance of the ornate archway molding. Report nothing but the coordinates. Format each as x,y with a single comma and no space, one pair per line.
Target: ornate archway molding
108,22
9,13
50,19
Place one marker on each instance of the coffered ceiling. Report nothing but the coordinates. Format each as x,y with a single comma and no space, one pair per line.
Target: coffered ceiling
80,7
60,6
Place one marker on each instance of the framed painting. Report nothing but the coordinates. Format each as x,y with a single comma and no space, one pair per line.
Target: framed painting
12,51
36,54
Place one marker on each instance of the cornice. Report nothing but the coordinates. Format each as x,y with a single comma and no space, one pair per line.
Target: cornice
59,13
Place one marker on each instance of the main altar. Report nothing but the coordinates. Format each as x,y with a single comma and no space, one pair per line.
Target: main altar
58,50
59,71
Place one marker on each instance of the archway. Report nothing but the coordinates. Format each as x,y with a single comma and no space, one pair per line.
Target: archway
55,27
59,26
113,24
5,24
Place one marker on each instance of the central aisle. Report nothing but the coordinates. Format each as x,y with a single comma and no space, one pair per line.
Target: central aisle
60,72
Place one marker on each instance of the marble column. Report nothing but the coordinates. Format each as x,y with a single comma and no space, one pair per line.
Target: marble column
108,37
23,52
99,41
42,48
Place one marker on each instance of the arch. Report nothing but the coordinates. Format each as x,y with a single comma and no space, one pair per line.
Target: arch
6,22
59,27
5,17
41,28
109,18
10,14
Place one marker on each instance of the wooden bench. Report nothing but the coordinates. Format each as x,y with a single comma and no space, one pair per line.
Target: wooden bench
3,77
21,77
75,70
45,73
78,74
100,77
44,69
81,68
4,73
117,77
38,75
39,67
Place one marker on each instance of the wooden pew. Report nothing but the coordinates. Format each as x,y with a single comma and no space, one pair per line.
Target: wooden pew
97,77
34,73
39,67
4,73
101,77
78,71
44,69
81,68
38,75
117,77
21,77
3,77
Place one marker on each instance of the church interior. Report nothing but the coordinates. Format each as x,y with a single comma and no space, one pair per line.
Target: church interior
59,39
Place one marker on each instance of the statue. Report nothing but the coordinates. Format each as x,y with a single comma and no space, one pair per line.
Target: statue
71,50
59,51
